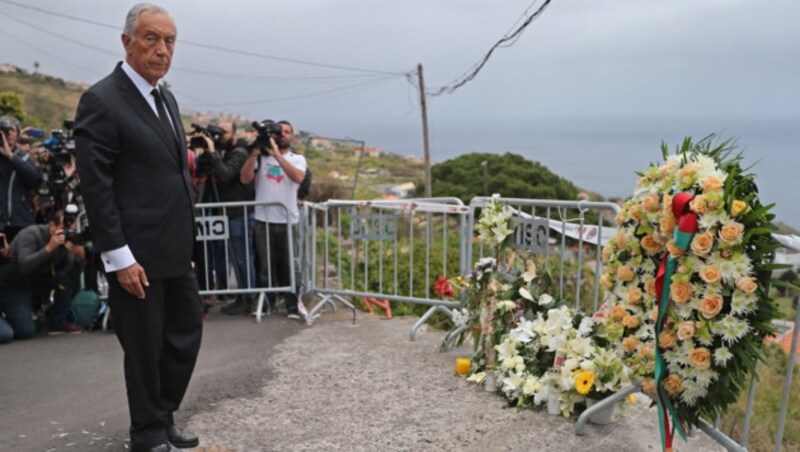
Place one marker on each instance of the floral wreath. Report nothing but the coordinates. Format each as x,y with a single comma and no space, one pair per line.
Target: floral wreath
686,278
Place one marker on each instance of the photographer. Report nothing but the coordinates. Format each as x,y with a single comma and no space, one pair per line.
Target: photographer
225,160
278,172
44,258
18,176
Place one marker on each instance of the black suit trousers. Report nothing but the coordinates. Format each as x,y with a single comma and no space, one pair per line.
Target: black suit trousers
160,337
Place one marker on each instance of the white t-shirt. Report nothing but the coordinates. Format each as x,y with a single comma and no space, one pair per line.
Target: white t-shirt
273,185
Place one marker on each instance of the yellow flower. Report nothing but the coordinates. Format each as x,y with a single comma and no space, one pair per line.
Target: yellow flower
631,398
584,380
738,207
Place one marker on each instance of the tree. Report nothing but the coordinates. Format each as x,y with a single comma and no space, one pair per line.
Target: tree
11,104
510,175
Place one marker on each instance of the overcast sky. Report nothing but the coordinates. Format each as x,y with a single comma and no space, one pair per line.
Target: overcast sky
720,62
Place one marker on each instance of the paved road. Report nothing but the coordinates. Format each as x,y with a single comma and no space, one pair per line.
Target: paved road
68,392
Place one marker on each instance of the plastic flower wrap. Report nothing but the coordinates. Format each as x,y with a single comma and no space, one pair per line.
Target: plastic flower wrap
686,279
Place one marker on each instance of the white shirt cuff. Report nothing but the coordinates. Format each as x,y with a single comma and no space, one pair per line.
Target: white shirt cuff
117,259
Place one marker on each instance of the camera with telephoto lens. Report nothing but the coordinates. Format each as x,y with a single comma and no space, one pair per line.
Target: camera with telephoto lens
5,127
266,129
204,166
61,149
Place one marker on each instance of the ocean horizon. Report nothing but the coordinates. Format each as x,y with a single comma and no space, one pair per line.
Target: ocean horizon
603,156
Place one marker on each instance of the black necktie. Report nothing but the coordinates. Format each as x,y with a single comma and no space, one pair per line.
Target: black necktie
163,116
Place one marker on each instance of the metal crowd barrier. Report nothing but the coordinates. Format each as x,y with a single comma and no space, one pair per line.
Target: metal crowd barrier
357,248
217,245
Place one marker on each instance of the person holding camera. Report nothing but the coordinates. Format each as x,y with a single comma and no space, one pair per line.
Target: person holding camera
18,176
226,161
277,172
44,258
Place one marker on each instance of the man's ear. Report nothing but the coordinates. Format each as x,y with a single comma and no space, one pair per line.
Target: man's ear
126,40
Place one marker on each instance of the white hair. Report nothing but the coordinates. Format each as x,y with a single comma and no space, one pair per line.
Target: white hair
136,11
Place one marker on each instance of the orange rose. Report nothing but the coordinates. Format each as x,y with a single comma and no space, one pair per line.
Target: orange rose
702,243
731,233
630,321
712,183
688,170
710,305
667,223
650,244
650,203
747,284
605,282
636,212
674,250
630,343
625,274
649,386
710,274
673,384
650,286
700,358
680,291
621,217
646,350
607,252
667,339
666,204
685,330
618,312
738,207
699,205
634,295
653,316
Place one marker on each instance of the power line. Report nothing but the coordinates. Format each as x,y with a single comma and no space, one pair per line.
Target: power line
45,52
506,41
300,96
207,46
202,72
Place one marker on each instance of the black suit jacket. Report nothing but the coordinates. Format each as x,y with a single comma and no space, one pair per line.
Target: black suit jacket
134,177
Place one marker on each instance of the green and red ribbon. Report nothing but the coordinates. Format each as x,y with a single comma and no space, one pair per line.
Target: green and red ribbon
686,226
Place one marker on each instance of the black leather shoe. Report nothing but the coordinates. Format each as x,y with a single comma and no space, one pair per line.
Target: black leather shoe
181,438
238,307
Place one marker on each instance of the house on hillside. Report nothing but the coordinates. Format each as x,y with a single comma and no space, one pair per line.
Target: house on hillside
784,336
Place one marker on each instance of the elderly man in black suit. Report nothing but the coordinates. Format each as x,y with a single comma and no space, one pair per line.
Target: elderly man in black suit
136,186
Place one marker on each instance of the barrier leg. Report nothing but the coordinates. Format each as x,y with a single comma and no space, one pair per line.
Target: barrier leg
328,300
452,335
425,318
720,437
259,306
599,406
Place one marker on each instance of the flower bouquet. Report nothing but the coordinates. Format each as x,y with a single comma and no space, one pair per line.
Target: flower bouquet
686,280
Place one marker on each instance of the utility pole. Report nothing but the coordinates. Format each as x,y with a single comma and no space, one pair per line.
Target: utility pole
426,144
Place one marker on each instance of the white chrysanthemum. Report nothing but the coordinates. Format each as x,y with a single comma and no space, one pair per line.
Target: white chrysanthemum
692,392
704,336
707,166
743,303
684,311
722,355
674,357
704,377
714,219
730,329
730,271
648,266
672,366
